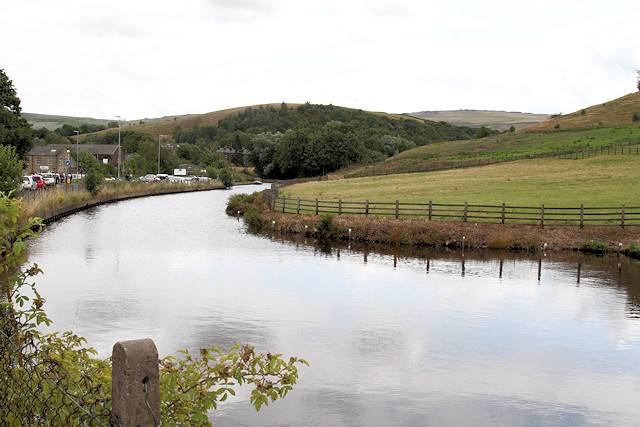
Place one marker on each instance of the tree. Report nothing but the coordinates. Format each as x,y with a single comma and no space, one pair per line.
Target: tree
638,78
93,179
483,132
10,169
226,177
136,165
291,153
265,146
14,129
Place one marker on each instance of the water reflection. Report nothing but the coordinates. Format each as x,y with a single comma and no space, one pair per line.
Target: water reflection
395,335
586,269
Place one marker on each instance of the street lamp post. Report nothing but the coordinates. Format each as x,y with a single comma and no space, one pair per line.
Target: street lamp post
159,136
77,158
118,147
68,162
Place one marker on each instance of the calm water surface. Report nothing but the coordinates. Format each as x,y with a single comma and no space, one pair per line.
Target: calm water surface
439,339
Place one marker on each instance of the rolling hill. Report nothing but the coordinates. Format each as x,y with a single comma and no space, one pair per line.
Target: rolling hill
618,112
615,123
499,120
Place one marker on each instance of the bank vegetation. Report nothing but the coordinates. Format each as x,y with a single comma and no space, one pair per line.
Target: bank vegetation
254,208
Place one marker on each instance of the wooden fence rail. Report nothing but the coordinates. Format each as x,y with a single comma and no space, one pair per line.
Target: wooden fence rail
582,216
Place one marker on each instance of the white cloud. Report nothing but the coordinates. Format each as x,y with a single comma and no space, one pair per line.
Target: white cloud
140,60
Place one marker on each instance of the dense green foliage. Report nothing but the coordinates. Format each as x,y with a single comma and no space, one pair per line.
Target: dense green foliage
53,377
14,129
281,142
318,139
93,180
10,169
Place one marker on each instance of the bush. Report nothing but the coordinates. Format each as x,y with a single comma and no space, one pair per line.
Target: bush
240,203
10,169
326,229
594,246
93,181
636,117
633,250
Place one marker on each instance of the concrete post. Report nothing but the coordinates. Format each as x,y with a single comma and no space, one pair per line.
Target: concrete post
135,384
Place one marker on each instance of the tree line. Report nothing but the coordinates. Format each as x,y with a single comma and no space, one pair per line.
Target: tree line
315,139
280,142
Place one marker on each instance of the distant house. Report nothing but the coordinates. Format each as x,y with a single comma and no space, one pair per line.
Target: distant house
231,154
62,157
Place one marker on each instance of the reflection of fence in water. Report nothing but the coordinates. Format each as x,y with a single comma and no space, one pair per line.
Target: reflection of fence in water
484,263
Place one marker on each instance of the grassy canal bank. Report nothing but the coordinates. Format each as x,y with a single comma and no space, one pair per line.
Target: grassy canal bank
60,201
452,234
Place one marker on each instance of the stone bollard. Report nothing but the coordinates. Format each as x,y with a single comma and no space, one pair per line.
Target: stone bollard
135,384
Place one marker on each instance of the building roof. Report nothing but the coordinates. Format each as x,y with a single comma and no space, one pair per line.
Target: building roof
49,150
58,149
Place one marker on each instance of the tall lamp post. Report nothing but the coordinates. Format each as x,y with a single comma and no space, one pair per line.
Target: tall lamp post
159,136
77,144
118,147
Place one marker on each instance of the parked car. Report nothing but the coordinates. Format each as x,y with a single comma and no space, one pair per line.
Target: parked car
39,181
28,183
49,178
149,178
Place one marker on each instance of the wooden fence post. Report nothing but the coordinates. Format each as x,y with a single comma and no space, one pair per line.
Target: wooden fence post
582,215
464,214
339,207
366,208
316,206
298,207
135,384
503,212
397,208
284,203
542,216
623,211
430,209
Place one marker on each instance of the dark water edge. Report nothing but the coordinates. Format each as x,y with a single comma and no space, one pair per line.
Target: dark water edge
621,269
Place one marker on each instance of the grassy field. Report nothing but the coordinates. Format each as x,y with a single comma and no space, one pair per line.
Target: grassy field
602,181
505,147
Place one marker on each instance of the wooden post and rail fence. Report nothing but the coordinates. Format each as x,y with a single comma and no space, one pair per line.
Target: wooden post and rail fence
542,215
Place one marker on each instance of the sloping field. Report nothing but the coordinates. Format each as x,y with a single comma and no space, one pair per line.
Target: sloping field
603,181
618,112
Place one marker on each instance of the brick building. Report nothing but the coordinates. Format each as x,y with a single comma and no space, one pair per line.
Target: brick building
62,157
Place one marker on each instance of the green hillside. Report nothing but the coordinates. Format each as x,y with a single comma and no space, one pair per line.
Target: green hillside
607,180
575,134
52,122
622,111
565,161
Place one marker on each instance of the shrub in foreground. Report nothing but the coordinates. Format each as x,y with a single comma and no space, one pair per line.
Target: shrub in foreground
53,378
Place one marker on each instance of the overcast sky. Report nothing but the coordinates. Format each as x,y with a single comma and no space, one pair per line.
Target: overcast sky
144,59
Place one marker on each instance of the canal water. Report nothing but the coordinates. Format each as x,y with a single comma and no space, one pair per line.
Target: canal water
393,339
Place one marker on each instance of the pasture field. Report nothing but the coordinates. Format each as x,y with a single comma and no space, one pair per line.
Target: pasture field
601,181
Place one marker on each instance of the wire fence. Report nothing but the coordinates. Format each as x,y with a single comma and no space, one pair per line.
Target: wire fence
539,215
37,389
